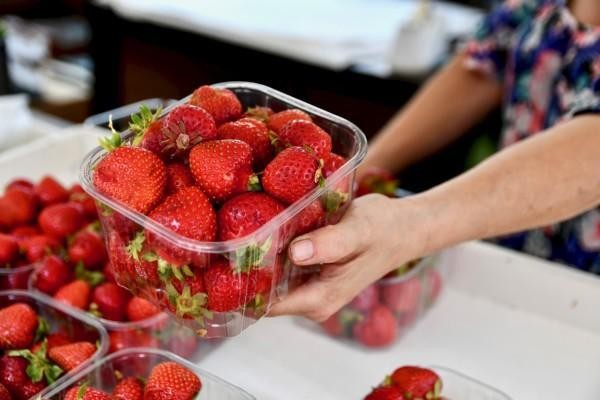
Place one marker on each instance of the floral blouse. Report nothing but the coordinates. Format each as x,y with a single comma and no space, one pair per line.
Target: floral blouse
549,64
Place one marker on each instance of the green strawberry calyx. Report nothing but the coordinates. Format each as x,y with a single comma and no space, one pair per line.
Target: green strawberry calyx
94,278
82,390
251,256
188,305
167,270
141,121
39,367
112,141
42,329
254,183
136,245
333,200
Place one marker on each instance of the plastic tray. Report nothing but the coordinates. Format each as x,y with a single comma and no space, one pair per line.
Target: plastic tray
59,317
139,361
273,237
458,386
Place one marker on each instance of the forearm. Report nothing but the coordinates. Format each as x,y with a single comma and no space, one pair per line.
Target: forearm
542,180
451,103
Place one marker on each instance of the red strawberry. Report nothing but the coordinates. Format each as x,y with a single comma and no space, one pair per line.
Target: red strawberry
403,298
83,392
278,120
9,250
293,173
169,380
385,393
123,265
16,280
70,356
110,301
188,213
119,340
332,162
13,375
108,272
253,132
310,218
4,393
88,247
49,192
87,203
179,176
76,294
134,176
333,326
259,113
51,340
367,299
227,289
435,285
20,184
129,389
223,168
37,247
222,104
22,232
139,309
17,207
377,180
245,213
61,220
52,275
186,297
305,134
417,383
378,328
18,325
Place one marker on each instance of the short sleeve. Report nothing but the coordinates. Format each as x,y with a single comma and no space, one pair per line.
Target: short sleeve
587,99
489,48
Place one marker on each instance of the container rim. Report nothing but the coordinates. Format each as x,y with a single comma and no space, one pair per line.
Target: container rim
470,379
19,269
85,178
74,378
424,263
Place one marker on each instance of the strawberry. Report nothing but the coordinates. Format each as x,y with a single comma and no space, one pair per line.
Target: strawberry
4,393
188,213
377,180
187,297
333,326
310,218
183,342
70,356
110,301
61,220
417,383
222,104
278,120
122,264
293,173
22,232
227,289
20,184
129,389
259,113
38,246
332,162
245,213
87,203
139,309
76,294
378,328
253,132
49,192
403,298
83,392
16,280
13,375
17,207
178,177
223,168
385,393
51,340
169,380
88,247
305,134
134,176
18,325
52,275
435,285
9,250
119,340
107,271
366,300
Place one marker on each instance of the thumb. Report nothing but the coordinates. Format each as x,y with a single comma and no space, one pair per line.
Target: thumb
331,244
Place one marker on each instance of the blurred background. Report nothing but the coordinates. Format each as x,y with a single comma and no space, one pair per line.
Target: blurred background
361,59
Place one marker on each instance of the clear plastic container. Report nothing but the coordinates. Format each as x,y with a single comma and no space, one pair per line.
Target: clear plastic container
403,298
15,278
457,386
77,326
139,362
159,331
265,249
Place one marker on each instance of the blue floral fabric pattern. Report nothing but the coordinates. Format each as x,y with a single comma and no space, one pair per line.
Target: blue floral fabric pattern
549,65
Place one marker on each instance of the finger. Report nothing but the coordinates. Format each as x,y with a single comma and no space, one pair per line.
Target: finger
313,300
331,244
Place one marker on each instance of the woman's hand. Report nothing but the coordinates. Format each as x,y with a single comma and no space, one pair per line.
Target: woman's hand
376,235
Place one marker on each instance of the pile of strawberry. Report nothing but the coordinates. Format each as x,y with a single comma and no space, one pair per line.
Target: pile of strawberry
167,380
378,315
32,357
409,383
35,219
210,172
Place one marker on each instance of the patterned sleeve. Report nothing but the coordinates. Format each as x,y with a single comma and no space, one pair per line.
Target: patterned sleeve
489,48
585,97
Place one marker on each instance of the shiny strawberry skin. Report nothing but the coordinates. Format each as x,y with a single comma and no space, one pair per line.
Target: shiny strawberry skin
332,162
183,128
310,218
253,132
416,382
227,289
18,323
88,247
378,328
385,393
129,389
170,380
305,133
76,294
278,120
49,191
9,250
245,213
70,356
179,177
222,104
111,301
139,309
52,275
17,207
4,393
88,393
61,220
37,247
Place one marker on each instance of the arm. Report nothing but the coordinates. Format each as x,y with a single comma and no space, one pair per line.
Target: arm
451,103
547,178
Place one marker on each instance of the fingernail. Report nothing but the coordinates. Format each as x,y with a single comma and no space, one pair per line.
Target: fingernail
302,250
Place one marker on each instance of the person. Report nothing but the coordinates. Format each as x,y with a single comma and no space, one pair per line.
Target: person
540,59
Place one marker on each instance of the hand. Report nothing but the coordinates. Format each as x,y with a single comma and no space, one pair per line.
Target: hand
376,235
